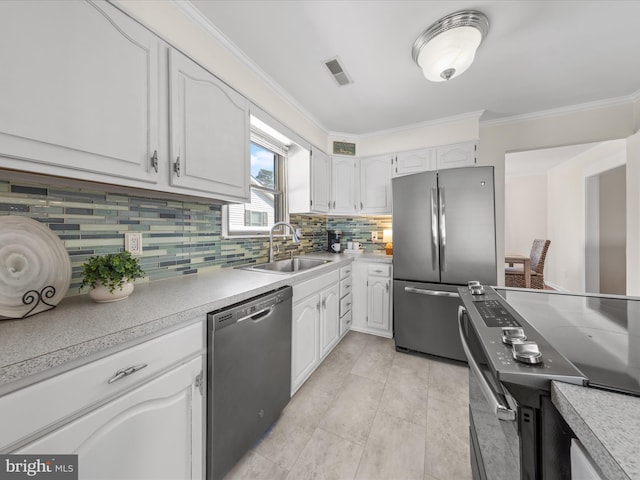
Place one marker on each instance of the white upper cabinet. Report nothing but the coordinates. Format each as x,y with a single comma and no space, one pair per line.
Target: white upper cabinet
375,185
458,155
344,185
320,181
209,125
308,180
80,92
414,161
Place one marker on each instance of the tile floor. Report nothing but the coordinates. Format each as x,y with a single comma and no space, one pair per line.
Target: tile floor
369,412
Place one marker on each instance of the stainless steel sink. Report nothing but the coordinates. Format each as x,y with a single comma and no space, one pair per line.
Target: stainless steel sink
290,265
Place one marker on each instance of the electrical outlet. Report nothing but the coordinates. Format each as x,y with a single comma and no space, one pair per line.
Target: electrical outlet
374,236
133,243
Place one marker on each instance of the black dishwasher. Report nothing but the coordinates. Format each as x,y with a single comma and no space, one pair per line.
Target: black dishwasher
249,375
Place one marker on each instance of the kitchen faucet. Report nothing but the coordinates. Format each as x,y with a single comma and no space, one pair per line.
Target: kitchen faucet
296,236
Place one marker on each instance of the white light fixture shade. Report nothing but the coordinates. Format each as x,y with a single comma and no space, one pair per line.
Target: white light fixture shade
452,51
448,47
387,236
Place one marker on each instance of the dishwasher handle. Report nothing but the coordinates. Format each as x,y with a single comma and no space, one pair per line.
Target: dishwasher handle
257,316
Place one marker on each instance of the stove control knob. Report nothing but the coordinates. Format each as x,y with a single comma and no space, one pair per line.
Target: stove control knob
511,335
527,352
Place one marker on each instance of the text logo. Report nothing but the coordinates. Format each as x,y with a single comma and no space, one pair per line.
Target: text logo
49,467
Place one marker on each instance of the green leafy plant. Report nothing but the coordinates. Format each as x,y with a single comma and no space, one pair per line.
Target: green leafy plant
112,270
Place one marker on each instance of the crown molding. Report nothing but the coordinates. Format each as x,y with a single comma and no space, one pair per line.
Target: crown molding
413,126
186,7
554,112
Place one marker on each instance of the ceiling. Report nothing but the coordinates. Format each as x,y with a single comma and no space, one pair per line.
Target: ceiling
538,55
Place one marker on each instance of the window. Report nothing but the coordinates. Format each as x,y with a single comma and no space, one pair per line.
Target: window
268,157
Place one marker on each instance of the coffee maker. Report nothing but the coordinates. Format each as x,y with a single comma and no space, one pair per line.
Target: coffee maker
333,240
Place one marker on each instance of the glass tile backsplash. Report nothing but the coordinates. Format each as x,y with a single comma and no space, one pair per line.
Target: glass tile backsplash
179,238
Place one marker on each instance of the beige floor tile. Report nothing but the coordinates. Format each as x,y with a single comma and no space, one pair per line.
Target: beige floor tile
308,406
327,457
395,449
254,466
375,360
353,342
414,362
447,446
284,443
405,394
449,382
351,414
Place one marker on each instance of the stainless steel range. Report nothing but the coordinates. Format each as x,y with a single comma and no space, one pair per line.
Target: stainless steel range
516,342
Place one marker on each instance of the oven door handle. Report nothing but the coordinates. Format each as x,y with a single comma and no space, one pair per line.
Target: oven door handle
435,293
502,411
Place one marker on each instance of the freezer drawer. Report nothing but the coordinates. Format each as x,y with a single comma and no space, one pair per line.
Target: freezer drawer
425,317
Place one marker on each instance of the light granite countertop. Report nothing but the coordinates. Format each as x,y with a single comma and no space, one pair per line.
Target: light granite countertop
78,329
606,423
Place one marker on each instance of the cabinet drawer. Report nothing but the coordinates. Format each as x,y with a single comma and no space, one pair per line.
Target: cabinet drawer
303,290
345,322
379,269
345,304
37,407
345,272
345,286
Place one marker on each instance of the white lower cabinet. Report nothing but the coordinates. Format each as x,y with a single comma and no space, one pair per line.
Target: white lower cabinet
372,294
153,432
315,325
138,413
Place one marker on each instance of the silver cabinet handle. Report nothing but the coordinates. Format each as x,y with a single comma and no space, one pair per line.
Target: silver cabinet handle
361,206
176,166
154,160
434,293
502,411
124,372
386,285
334,204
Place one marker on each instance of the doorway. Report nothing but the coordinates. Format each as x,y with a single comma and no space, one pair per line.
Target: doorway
552,194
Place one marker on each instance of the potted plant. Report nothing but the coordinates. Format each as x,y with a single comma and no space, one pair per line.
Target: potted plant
110,276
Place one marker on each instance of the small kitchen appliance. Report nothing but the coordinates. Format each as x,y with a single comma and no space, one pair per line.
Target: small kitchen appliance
333,240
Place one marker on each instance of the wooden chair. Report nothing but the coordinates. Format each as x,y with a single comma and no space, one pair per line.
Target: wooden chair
514,276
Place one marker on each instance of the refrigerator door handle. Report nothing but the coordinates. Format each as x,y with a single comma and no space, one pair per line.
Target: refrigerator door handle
434,230
434,293
443,231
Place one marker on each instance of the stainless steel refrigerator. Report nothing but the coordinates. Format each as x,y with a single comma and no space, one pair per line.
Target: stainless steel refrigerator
444,235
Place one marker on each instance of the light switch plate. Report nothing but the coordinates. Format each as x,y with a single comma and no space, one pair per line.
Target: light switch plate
133,243
374,236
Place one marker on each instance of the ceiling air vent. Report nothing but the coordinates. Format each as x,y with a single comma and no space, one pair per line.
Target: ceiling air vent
338,72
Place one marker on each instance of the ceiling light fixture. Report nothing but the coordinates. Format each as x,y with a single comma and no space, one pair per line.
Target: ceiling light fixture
447,48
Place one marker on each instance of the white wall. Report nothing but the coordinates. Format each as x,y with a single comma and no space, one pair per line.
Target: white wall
613,231
460,129
555,129
633,214
525,212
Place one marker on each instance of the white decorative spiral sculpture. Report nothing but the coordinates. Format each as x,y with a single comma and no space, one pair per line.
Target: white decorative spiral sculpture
35,270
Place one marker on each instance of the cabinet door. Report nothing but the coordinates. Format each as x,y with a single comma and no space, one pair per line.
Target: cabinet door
329,319
305,353
414,161
375,185
320,181
459,155
343,185
209,132
152,432
378,294
359,295
80,84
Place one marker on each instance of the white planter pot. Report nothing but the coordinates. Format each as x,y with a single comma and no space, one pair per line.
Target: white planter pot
101,294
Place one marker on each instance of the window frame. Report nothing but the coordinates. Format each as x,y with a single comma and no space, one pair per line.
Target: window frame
281,210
